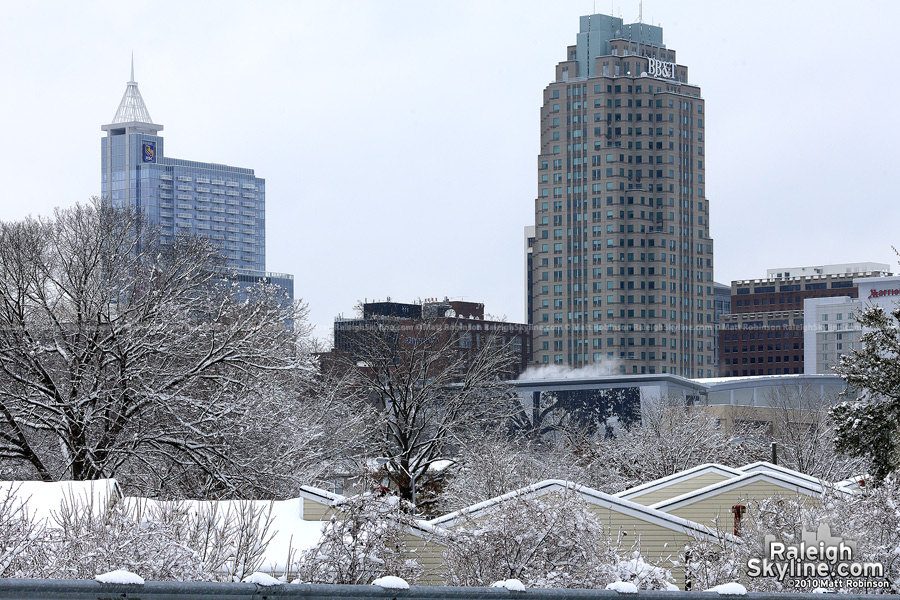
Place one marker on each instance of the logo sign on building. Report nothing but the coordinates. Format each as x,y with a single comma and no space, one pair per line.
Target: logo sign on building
149,152
660,68
879,293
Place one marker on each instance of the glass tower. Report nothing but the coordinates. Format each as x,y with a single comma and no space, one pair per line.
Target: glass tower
226,204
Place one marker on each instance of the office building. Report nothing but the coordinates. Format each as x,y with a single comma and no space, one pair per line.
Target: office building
622,259
223,203
765,334
721,306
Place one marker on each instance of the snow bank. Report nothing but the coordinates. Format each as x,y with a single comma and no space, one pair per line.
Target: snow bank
120,576
43,499
391,582
729,589
513,585
261,579
292,535
623,587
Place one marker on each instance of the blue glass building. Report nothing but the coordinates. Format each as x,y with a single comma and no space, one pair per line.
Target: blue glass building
226,204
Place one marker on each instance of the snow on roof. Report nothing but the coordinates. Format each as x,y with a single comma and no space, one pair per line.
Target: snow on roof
292,534
805,486
325,497
640,490
590,495
856,482
763,465
320,495
42,499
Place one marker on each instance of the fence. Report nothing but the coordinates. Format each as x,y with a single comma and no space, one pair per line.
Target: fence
63,589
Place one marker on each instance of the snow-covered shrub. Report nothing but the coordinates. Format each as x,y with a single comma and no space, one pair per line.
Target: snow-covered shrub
872,520
19,533
365,539
83,540
552,541
709,562
178,541
229,538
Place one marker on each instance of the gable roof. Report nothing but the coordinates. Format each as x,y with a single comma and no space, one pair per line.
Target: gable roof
803,486
763,465
321,496
663,482
590,495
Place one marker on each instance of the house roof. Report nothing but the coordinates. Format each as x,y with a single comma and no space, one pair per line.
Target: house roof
856,482
329,498
290,533
590,495
319,495
763,465
805,486
662,482
43,499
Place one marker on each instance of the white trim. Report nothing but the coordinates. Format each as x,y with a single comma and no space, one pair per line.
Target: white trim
779,479
319,495
626,507
763,465
662,482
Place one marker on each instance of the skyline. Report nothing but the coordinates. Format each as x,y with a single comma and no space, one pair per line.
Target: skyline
414,146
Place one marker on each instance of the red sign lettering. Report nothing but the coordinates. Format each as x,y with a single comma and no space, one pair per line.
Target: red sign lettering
880,293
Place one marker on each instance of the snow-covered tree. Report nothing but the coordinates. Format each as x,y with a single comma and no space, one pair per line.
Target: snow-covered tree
804,431
121,356
671,437
869,426
427,395
552,540
496,463
366,538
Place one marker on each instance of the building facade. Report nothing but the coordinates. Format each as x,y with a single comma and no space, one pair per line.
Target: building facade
456,325
830,327
223,203
622,261
765,333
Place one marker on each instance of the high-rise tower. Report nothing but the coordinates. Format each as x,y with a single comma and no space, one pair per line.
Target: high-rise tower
226,204
622,261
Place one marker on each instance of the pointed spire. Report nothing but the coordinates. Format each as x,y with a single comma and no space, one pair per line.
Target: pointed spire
132,107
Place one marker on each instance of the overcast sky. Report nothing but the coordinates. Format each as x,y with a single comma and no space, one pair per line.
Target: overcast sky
398,139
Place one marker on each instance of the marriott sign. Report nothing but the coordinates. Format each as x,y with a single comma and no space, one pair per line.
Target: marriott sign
880,293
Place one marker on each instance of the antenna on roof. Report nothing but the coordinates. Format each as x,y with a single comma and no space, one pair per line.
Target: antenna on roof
132,66
641,12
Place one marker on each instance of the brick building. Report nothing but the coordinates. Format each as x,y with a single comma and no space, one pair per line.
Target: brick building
764,333
461,325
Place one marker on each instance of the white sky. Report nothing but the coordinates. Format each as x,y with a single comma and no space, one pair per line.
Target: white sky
398,139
